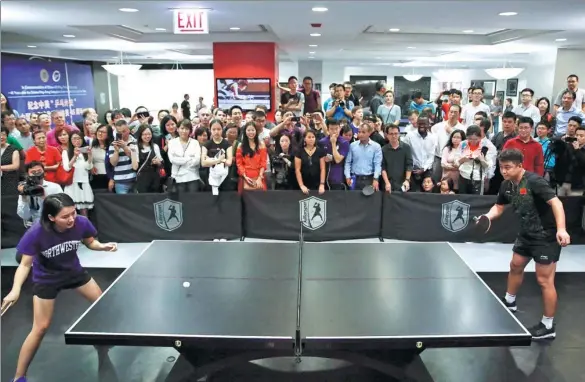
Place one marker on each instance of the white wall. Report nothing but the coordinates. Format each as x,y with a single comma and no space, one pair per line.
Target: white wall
158,89
287,69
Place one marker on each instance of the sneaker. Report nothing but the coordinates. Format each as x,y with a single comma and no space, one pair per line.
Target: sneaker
222,240
540,332
512,307
21,379
216,240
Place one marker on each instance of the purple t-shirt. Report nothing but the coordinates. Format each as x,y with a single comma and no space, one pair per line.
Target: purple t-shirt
335,169
55,253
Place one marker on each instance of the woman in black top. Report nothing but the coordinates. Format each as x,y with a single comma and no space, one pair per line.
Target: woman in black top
216,150
10,165
149,162
283,165
310,165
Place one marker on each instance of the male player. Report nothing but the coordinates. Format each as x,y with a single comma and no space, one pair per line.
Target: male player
542,234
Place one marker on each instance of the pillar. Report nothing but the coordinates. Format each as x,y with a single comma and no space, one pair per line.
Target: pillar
247,60
569,61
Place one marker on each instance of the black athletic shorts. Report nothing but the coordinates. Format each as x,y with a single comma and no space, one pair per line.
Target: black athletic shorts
50,291
541,251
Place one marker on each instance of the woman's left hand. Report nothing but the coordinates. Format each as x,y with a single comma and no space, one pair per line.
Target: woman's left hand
321,189
110,247
259,183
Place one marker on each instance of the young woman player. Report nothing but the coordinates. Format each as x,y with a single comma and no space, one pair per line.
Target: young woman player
50,246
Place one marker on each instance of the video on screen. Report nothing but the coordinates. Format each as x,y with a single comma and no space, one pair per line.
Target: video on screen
244,92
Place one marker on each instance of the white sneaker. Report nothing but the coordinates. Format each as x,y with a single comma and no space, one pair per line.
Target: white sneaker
222,240
215,239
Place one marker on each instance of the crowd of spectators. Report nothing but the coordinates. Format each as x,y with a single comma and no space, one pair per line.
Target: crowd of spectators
444,147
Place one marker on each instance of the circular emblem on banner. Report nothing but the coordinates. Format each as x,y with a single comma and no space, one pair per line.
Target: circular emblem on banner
44,75
56,76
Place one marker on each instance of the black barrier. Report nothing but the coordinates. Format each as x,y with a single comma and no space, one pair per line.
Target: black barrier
436,217
331,216
144,217
12,225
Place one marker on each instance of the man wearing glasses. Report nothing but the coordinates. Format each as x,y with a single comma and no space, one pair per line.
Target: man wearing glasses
526,108
476,105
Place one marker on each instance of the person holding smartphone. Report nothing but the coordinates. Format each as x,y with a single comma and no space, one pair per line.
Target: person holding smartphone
78,158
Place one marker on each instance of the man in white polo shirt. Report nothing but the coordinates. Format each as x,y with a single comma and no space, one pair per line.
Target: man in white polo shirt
471,109
526,108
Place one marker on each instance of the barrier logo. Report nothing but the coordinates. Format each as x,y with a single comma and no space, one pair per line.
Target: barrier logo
168,214
455,215
313,212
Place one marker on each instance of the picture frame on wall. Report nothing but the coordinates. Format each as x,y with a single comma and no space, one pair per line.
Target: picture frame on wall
501,94
488,86
512,87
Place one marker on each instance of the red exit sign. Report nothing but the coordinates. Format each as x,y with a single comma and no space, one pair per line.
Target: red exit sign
190,21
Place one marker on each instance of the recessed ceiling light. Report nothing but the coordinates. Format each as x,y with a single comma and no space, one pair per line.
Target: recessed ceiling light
508,13
31,46
129,10
320,9
410,47
468,31
69,35
160,29
561,39
394,30
315,34
313,45
311,57
311,52
234,29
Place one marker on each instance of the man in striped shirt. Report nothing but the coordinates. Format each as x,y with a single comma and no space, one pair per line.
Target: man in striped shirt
123,154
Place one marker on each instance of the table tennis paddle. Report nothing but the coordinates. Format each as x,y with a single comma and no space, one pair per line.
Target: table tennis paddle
5,308
368,190
483,223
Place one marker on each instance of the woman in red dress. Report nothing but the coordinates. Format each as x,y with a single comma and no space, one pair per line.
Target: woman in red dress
251,158
49,156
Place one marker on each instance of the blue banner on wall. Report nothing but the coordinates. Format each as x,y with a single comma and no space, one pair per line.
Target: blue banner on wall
38,85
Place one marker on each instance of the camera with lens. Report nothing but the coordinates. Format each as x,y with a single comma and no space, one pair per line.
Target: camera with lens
33,186
342,103
280,170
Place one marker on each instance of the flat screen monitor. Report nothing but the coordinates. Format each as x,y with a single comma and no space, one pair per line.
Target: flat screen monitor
244,92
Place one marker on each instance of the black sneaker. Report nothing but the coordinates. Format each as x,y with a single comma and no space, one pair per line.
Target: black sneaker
540,332
512,307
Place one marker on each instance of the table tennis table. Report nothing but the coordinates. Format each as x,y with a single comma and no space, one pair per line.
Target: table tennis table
377,304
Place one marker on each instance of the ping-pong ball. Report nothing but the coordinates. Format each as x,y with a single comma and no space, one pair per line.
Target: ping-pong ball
186,284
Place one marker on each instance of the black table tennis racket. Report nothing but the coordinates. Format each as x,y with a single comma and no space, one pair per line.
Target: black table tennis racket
483,223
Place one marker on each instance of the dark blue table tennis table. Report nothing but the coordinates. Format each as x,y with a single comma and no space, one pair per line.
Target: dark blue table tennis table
379,304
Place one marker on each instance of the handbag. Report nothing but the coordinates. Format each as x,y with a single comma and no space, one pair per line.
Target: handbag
170,183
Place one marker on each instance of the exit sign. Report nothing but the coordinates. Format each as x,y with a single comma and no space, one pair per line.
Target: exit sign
190,21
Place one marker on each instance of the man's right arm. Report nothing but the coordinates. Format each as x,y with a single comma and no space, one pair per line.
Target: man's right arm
23,208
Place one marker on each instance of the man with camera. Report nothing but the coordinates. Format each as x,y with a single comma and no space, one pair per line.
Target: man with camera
33,192
338,108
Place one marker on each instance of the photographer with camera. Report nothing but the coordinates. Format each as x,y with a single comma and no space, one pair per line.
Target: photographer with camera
569,171
33,191
338,108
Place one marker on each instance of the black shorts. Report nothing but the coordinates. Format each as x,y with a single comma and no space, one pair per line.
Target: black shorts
50,291
541,251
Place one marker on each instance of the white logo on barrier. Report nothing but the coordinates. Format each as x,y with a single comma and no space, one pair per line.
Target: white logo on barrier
455,215
168,214
313,212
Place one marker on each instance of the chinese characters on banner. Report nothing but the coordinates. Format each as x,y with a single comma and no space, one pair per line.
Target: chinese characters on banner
37,86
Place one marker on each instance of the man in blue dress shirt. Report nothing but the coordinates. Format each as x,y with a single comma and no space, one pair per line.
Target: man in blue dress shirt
363,164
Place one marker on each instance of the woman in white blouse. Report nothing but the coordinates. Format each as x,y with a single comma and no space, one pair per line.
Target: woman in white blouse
451,152
185,156
78,159
99,150
149,162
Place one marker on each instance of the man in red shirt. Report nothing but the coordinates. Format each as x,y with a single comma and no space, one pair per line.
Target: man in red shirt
530,148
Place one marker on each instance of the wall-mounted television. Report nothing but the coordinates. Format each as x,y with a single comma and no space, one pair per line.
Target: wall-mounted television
244,92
